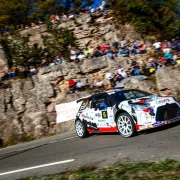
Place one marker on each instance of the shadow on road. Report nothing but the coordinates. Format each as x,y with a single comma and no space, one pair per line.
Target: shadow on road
144,132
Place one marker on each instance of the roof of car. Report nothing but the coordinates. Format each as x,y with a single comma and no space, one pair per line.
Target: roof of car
110,91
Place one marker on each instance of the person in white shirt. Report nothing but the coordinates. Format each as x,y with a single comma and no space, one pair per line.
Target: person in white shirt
81,56
122,72
99,84
80,85
157,45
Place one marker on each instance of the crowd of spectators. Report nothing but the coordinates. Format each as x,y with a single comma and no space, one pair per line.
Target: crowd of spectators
160,54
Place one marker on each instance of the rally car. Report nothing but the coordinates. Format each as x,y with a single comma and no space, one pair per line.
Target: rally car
126,111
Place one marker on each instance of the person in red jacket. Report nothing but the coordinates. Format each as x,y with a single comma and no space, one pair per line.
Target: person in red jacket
72,85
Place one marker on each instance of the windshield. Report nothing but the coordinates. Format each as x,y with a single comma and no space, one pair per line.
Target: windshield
129,94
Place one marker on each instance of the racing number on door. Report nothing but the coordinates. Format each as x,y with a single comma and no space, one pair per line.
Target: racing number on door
104,115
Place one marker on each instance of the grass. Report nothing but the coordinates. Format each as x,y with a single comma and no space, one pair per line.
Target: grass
165,170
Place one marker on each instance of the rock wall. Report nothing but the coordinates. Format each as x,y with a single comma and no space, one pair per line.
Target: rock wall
3,62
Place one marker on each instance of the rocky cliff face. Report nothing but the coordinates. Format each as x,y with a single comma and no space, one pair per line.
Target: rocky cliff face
91,30
3,63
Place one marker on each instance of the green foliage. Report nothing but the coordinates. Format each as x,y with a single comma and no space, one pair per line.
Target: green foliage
17,138
165,170
13,12
16,12
18,51
150,16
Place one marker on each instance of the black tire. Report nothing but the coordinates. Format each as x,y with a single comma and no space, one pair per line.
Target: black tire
81,129
125,125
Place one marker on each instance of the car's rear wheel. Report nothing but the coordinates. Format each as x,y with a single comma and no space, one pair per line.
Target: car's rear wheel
125,125
81,130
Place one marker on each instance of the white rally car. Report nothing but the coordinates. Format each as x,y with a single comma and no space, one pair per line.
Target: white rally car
125,111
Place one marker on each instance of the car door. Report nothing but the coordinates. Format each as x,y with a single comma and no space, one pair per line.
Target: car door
87,114
103,111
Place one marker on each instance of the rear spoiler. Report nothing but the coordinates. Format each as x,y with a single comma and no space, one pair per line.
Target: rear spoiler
79,100
82,99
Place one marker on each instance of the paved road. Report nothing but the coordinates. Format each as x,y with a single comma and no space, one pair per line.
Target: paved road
63,153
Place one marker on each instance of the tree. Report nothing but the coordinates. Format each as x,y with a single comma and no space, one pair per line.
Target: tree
13,12
150,16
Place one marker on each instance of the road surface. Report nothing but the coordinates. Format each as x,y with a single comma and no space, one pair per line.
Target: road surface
68,152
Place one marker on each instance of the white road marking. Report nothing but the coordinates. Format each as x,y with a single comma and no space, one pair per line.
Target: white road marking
36,167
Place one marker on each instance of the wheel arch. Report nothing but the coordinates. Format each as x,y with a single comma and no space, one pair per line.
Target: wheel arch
119,112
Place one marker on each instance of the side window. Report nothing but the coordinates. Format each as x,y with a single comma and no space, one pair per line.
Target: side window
140,94
84,104
99,100
111,101
129,95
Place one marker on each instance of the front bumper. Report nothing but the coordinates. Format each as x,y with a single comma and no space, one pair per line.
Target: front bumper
156,124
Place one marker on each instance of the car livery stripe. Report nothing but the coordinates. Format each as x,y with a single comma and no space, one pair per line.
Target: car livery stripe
106,129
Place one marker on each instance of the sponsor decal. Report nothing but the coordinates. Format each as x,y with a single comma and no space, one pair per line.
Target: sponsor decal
101,120
88,117
142,127
162,101
82,115
107,124
149,125
157,124
98,115
104,114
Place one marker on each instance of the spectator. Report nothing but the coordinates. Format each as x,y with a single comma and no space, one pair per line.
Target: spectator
97,53
72,86
53,18
52,63
122,73
110,77
110,54
58,60
33,25
162,62
33,71
64,17
102,48
14,72
157,45
5,31
99,84
44,63
81,56
80,85
142,49
86,52
115,44
169,58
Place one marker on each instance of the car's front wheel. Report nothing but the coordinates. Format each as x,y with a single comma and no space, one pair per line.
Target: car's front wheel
125,125
81,130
